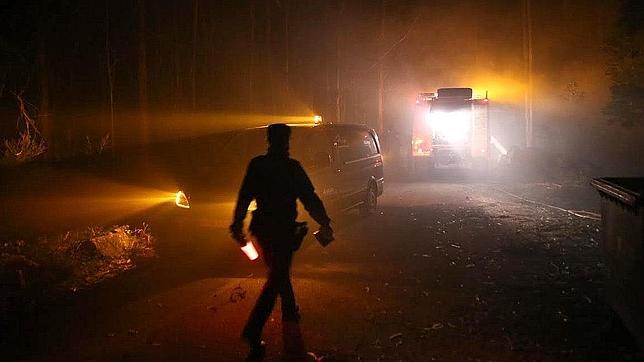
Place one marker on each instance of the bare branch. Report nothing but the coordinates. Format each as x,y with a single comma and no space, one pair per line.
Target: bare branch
30,144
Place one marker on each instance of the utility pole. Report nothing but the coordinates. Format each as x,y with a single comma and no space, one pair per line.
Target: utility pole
381,76
527,54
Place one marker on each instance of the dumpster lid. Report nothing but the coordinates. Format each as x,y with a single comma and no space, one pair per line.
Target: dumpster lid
628,190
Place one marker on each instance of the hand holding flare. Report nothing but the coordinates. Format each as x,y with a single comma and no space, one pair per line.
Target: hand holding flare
246,245
249,250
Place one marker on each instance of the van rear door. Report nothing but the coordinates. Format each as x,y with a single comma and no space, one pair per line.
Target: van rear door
357,155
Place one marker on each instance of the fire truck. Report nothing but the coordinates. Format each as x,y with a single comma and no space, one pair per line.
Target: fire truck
450,130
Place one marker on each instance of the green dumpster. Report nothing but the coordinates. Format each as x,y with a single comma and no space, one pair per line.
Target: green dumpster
622,210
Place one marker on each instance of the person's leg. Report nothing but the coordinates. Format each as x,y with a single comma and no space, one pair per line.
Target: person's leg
264,305
285,287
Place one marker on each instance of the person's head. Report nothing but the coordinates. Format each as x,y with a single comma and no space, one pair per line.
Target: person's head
278,135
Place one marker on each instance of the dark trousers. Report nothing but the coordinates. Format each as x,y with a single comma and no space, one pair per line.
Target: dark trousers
278,283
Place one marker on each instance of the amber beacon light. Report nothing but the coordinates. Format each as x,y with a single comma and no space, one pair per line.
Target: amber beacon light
181,200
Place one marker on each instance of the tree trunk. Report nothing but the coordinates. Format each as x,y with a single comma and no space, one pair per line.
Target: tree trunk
193,64
44,116
269,58
108,65
286,52
143,75
381,76
251,58
338,87
178,99
43,108
527,53
338,96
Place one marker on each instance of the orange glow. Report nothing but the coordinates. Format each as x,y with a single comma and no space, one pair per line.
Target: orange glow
181,200
500,88
250,251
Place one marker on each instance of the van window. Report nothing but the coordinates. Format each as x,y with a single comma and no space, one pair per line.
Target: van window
354,144
306,143
371,143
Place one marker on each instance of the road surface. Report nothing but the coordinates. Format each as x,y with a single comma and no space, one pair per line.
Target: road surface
445,271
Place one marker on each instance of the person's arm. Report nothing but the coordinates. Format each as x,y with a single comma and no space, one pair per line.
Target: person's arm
310,200
244,198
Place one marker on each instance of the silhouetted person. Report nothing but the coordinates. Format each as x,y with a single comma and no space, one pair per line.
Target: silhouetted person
275,181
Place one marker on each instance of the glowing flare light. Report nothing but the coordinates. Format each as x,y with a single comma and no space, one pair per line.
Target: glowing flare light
181,200
250,251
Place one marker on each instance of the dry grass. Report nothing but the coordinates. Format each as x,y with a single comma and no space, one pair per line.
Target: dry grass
23,149
97,146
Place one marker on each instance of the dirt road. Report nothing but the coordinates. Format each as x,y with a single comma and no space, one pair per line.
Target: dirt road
446,271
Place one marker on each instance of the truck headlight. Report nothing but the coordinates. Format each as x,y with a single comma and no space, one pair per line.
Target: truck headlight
454,127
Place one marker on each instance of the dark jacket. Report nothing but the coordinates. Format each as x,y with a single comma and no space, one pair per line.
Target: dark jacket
276,181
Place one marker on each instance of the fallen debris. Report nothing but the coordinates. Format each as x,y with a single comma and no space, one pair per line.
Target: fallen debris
237,294
316,357
434,326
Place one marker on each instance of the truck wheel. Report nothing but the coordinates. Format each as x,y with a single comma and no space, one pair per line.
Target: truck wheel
370,203
431,167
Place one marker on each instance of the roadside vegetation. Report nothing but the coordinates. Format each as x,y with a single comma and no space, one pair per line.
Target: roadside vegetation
34,272
29,144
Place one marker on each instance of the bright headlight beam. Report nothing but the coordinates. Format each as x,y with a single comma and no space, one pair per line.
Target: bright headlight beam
454,127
